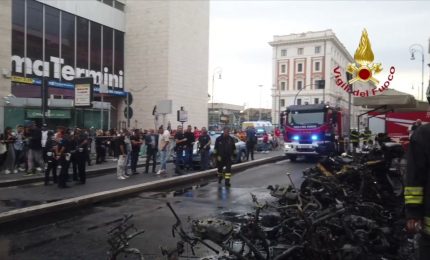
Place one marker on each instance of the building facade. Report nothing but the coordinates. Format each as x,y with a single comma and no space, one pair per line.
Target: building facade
299,62
134,50
223,114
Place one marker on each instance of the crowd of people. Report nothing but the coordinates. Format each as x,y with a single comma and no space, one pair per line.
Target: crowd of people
30,149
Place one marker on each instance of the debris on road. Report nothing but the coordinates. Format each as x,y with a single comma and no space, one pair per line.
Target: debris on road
347,208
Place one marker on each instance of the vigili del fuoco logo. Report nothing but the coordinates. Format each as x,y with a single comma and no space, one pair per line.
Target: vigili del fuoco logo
363,70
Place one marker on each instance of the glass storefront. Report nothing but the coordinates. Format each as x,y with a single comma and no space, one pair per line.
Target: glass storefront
67,117
45,51
51,48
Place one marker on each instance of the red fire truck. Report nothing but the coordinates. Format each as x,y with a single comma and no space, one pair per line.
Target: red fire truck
396,124
313,130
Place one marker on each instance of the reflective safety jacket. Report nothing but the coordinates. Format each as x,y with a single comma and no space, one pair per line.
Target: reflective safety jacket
354,136
366,135
417,185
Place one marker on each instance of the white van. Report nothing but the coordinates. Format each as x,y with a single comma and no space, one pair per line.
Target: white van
258,125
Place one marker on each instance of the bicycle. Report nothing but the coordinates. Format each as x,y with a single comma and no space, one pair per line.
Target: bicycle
119,240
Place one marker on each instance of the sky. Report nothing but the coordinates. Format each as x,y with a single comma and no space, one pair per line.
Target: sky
240,32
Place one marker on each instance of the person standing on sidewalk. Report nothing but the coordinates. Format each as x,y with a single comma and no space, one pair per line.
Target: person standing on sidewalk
265,142
9,140
63,156
19,148
122,159
151,141
136,143
250,142
180,147
225,149
189,135
43,142
163,146
34,154
74,154
81,154
204,148
51,160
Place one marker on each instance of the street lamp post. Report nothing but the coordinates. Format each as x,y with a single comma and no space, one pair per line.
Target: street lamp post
419,48
217,70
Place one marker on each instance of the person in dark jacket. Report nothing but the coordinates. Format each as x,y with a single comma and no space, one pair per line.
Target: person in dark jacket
225,149
136,143
204,148
81,154
250,142
417,187
189,135
63,156
151,141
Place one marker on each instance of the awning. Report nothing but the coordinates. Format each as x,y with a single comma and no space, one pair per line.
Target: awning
52,113
391,98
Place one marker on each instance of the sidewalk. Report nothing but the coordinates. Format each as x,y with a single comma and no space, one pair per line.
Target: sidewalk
93,170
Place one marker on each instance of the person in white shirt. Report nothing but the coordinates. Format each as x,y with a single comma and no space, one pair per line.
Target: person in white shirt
163,144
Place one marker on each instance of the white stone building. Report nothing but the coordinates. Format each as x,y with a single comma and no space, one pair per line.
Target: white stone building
299,61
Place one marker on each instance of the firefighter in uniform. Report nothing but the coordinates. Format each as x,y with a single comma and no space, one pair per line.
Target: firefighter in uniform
225,149
366,135
417,187
354,139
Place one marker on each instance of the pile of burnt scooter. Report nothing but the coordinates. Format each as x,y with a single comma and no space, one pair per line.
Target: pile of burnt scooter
347,207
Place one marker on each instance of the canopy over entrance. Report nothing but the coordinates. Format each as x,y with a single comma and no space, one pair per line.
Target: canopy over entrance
391,98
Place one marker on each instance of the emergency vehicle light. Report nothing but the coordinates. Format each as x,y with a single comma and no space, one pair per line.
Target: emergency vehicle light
296,137
314,137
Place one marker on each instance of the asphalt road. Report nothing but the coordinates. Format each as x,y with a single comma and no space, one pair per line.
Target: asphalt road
21,196
83,234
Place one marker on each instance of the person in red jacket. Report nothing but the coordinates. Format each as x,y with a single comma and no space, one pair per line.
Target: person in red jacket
197,133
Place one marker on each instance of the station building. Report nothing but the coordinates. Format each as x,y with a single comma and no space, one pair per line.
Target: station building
139,52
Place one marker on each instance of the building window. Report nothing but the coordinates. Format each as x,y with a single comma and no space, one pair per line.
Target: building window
317,49
52,35
299,85
107,49
282,102
18,24
300,51
82,43
34,32
283,68
68,38
317,66
108,2
283,85
316,100
284,52
120,6
299,101
96,47
119,53
299,67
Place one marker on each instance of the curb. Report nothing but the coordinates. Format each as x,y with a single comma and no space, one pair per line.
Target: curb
41,178
66,204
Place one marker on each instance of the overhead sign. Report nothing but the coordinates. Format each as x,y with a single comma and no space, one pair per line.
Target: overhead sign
182,116
83,92
64,72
